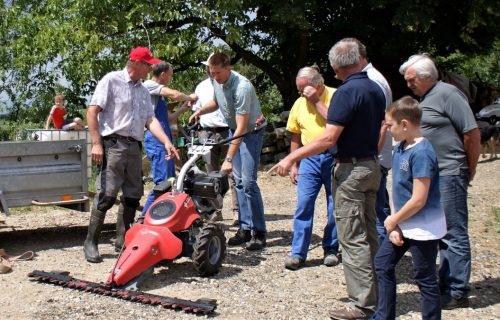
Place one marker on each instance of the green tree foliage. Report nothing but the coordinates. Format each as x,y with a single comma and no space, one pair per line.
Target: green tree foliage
75,42
482,68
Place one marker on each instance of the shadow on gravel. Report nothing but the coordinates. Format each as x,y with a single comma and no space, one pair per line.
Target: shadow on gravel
49,238
183,271
277,217
485,160
483,294
280,238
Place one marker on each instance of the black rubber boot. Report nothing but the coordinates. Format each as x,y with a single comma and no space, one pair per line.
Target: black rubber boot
125,218
90,244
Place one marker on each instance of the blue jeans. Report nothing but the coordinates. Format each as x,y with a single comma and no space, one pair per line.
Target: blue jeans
454,248
314,172
161,169
245,166
382,206
424,255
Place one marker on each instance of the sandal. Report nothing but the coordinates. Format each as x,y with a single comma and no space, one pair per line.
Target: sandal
5,266
5,259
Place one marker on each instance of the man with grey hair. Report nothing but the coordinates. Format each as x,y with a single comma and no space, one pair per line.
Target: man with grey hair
353,124
448,123
306,121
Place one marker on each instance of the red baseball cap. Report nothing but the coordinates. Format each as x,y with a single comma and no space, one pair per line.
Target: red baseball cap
143,54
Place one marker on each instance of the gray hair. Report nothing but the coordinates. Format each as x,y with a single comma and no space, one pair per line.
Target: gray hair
312,75
344,53
361,46
161,67
422,64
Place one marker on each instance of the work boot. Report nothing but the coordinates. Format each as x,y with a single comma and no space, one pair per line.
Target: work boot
294,263
125,218
90,245
257,242
241,236
331,259
450,303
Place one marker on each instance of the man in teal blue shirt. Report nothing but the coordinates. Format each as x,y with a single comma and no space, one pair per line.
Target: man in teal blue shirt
238,102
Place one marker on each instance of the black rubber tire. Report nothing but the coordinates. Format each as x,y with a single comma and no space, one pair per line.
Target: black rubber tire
209,250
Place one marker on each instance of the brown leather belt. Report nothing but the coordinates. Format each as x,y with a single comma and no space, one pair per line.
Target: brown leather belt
117,136
355,159
216,129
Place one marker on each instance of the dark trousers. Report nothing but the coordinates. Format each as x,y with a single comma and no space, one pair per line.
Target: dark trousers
424,255
382,207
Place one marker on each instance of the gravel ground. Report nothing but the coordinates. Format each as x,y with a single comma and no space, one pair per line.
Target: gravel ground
250,285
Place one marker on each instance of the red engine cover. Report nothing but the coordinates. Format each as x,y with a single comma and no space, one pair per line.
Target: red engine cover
145,246
176,212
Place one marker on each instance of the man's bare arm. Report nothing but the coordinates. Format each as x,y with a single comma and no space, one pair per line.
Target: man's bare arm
472,146
93,125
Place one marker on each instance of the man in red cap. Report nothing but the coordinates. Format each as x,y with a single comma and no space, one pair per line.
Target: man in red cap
119,110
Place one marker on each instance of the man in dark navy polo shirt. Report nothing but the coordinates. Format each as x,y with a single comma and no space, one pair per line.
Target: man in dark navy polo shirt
353,124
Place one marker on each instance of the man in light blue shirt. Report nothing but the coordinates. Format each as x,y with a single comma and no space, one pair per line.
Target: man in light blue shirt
238,102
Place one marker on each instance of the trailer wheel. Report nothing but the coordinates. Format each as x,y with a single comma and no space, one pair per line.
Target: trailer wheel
209,249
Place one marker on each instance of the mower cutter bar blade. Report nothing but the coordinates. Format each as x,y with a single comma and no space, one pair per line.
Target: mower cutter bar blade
201,306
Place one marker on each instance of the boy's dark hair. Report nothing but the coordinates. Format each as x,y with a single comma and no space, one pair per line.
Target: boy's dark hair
405,108
219,59
161,67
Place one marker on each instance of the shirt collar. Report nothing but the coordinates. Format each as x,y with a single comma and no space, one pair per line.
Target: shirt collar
127,78
356,75
229,81
368,66
428,91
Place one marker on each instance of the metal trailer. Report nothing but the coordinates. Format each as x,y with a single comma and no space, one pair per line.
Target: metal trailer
52,168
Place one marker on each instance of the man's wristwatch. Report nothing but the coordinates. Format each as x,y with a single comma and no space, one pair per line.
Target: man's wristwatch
229,159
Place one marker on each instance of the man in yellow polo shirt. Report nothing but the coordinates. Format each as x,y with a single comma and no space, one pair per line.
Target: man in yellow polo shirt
307,120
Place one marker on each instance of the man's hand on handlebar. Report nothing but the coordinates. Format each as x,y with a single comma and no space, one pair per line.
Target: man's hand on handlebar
226,167
195,117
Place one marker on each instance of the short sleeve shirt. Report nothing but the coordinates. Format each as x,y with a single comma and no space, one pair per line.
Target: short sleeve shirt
126,105
385,155
205,92
160,106
237,97
416,162
57,116
446,116
305,120
154,89
359,106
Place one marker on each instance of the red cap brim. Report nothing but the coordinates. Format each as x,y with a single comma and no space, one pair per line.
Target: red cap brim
153,61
